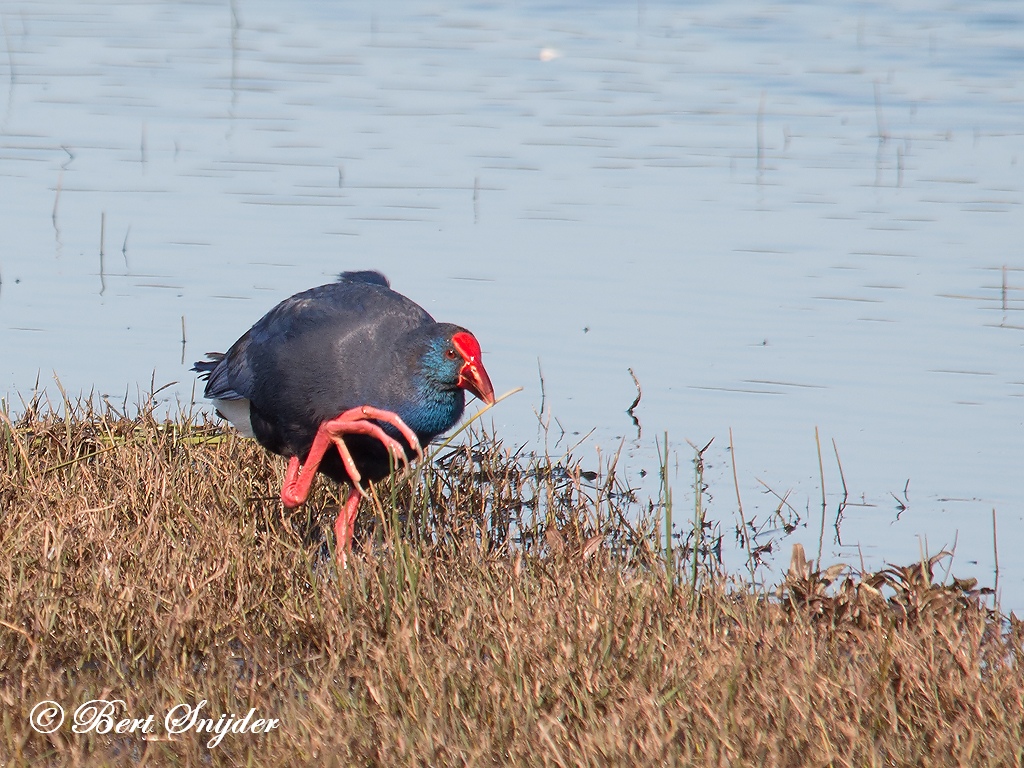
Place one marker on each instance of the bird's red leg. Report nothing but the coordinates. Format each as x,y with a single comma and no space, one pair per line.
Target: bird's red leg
298,479
355,421
344,526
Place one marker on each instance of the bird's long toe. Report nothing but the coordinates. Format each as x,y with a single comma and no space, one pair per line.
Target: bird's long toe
292,494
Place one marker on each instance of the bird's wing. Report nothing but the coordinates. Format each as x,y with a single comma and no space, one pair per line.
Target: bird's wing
304,331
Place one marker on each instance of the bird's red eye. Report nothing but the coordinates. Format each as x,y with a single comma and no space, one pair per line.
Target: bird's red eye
450,353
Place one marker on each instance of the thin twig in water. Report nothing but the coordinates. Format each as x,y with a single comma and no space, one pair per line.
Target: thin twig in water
543,392
839,463
56,197
1004,294
667,499
842,503
636,402
698,515
783,500
821,470
995,556
182,339
561,432
744,535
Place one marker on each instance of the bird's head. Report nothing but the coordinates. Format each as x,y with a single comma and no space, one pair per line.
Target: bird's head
452,361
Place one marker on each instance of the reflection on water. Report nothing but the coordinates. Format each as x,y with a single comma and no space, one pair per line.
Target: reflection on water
780,221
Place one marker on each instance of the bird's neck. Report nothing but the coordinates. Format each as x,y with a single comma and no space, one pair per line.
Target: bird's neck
433,411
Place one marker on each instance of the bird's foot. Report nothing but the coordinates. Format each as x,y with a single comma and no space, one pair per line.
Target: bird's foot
362,421
293,493
355,421
389,417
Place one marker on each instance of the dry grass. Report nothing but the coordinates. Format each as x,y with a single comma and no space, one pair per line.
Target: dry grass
151,562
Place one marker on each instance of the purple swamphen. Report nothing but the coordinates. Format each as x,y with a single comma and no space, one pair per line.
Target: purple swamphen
353,377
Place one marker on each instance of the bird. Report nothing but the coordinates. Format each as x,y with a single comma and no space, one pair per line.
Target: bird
349,379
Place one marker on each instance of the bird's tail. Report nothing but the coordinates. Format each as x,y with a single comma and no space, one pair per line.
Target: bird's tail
205,367
368,276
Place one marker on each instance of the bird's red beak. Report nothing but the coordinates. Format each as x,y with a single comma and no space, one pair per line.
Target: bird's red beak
473,376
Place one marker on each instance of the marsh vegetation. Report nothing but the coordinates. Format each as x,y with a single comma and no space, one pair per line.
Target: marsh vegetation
500,609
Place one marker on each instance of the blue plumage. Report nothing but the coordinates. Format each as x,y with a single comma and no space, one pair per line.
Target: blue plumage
343,379
351,343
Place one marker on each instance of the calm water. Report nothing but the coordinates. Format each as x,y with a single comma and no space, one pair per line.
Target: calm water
781,218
